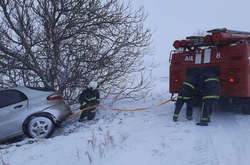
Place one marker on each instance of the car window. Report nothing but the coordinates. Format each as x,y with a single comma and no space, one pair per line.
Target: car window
8,97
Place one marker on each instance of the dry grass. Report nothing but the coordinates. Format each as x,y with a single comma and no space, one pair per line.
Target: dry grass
2,160
101,150
124,137
92,142
99,145
108,139
100,129
78,155
89,157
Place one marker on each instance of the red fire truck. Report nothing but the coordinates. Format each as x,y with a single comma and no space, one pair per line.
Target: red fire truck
222,50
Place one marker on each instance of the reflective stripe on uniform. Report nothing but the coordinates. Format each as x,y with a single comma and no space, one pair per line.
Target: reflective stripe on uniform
175,115
204,119
186,98
183,97
91,99
84,103
188,84
210,97
93,111
211,79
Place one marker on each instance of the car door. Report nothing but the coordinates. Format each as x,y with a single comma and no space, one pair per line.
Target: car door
13,110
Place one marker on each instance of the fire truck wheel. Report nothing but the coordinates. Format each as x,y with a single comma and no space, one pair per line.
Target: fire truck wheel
245,109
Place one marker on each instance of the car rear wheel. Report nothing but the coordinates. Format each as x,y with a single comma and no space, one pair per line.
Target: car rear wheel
40,126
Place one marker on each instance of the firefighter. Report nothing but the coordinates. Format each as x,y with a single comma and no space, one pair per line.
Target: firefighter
89,97
210,96
186,95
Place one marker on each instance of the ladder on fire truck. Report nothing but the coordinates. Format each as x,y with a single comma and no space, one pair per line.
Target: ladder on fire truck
217,37
225,30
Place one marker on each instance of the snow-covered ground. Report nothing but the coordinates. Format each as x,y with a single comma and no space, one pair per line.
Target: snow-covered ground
140,138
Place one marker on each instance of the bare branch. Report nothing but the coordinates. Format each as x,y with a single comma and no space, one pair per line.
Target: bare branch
65,44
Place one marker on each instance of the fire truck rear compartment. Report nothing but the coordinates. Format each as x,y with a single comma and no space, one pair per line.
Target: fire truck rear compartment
230,60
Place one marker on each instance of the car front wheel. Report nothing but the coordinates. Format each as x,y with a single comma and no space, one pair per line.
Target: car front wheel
40,127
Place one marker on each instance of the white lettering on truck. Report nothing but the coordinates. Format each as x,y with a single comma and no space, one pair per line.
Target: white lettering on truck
218,55
189,58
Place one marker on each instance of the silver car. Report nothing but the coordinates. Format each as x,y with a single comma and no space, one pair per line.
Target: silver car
32,112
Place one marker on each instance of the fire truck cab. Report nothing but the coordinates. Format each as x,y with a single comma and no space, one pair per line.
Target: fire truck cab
224,51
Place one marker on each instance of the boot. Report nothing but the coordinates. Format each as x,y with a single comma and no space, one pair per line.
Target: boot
91,114
175,117
81,119
189,117
82,116
202,123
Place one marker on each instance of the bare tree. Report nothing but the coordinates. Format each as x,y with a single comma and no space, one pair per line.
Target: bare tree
65,44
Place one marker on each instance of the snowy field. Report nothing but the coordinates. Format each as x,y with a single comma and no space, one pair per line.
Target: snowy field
151,137
140,138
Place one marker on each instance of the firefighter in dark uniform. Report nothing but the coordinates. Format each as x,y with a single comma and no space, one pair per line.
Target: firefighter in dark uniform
186,94
89,97
210,95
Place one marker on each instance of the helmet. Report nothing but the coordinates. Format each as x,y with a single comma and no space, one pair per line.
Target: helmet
93,85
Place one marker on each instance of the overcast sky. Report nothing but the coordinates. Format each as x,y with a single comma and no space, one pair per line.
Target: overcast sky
175,19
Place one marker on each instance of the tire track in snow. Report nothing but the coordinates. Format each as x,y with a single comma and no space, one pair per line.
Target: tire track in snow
203,147
230,139
205,150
